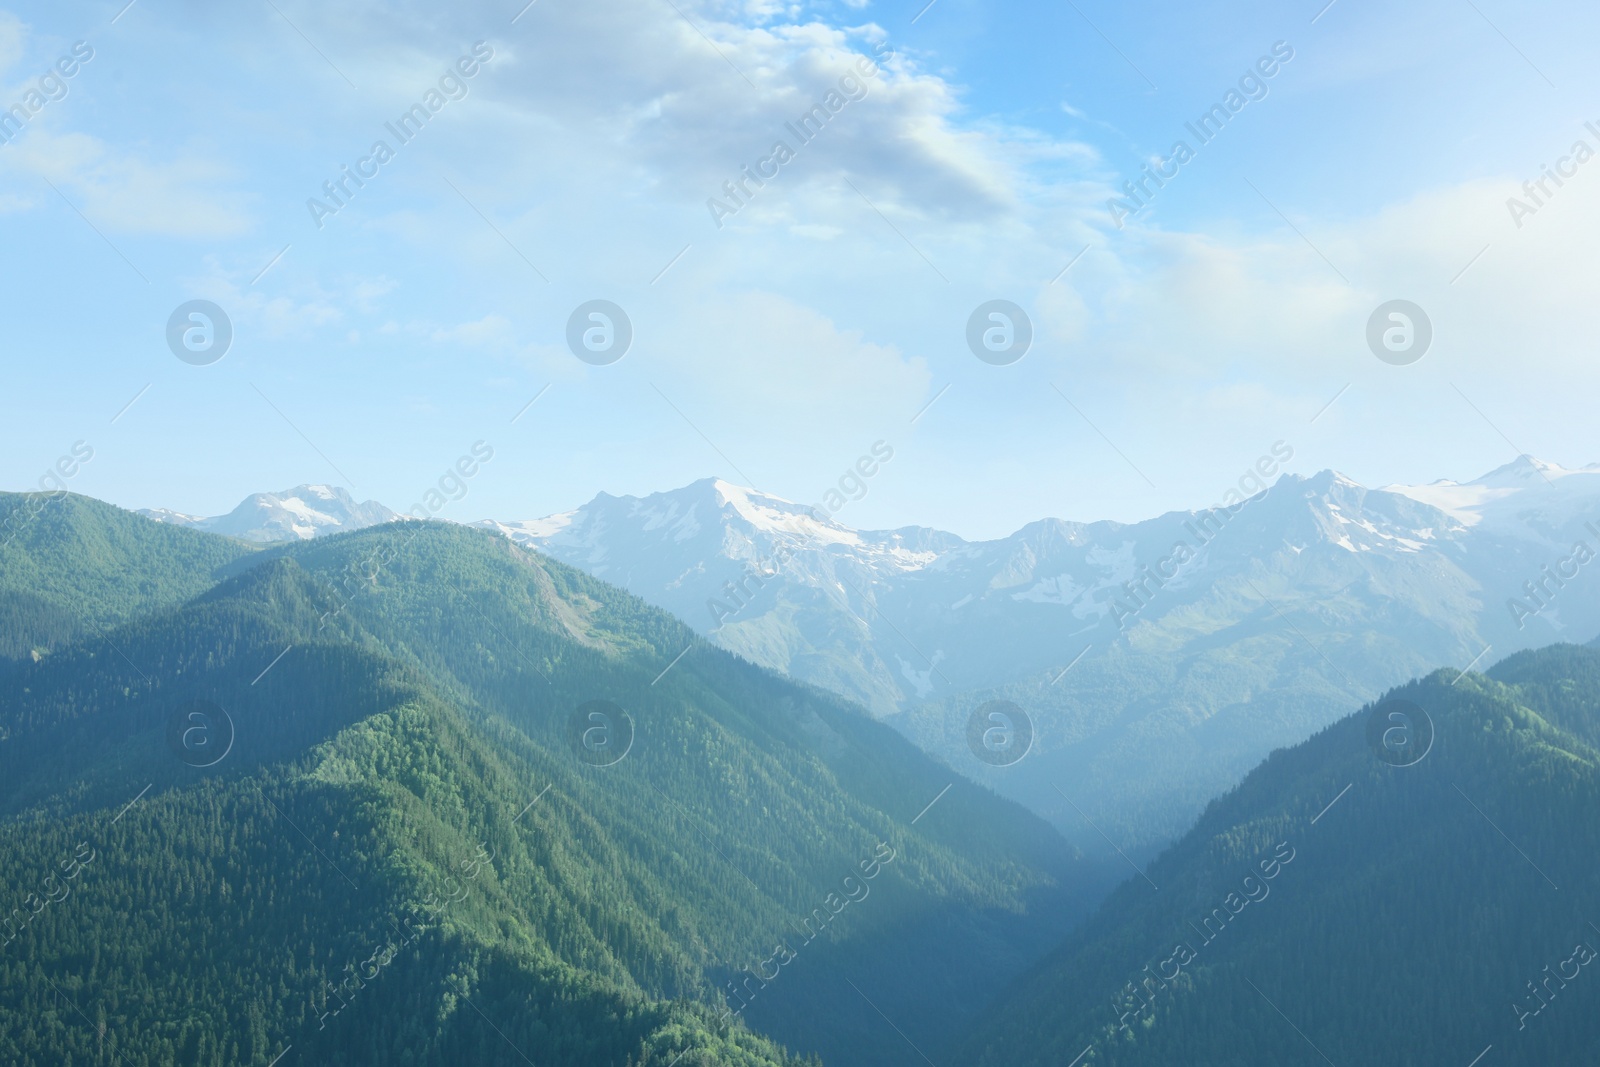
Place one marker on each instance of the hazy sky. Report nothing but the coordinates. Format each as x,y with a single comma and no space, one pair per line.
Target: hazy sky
821,316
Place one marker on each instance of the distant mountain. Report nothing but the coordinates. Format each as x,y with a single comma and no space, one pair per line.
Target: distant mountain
764,576
417,795
1519,498
296,514
799,591
1158,660
1415,884
1529,531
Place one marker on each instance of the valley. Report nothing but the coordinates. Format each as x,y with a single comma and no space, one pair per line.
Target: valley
377,748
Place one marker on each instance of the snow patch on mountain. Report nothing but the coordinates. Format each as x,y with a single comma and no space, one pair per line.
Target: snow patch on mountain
1526,497
170,517
793,589
296,514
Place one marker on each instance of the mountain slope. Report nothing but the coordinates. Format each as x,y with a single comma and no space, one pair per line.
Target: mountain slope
771,580
1315,595
734,759
228,915
1158,661
402,697
1340,907
69,564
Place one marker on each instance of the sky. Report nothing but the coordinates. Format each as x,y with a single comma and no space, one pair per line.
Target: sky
969,153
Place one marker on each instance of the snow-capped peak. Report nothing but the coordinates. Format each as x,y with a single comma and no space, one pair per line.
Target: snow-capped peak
1528,470
170,517
1511,495
301,513
780,518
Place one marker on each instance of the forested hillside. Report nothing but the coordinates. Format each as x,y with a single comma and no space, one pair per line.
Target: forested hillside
1409,889
346,799
69,564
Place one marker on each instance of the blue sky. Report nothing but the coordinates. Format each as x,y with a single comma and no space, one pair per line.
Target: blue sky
827,313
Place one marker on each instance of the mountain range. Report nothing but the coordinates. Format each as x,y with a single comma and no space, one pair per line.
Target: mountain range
1154,663
418,794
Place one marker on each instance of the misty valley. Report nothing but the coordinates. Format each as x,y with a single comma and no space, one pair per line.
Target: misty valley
316,776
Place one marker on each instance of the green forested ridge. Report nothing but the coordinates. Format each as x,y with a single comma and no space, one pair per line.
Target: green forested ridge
416,730
1562,682
69,564
1405,927
773,784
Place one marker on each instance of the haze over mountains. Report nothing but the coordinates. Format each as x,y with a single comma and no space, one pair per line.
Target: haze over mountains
419,794
1066,684
1346,906
1158,660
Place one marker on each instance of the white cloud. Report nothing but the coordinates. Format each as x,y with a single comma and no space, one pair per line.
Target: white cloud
593,138
1197,305
127,192
781,379
312,311
682,103
13,40
493,332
